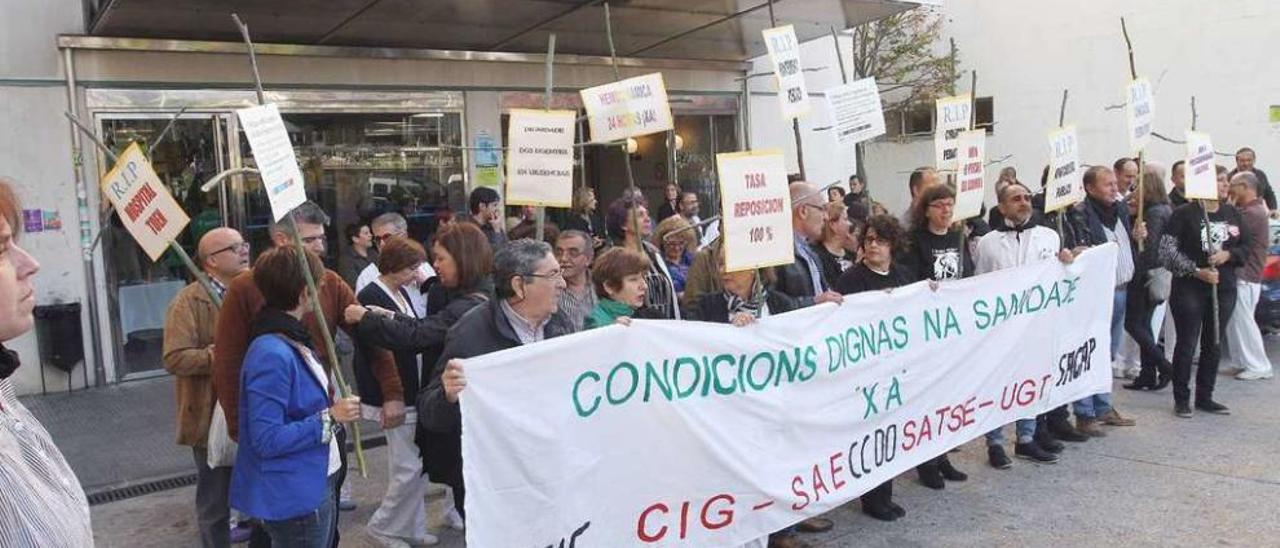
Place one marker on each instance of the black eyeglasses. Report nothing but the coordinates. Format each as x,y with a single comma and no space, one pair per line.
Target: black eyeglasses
242,247
383,238
553,275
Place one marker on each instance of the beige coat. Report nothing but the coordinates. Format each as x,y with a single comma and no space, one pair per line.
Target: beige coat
188,355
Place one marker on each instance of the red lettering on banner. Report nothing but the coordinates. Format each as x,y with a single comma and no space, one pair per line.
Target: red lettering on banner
755,180
715,513
644,535
157,221
139,202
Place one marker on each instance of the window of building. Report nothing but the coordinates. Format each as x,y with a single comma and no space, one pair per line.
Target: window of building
916,119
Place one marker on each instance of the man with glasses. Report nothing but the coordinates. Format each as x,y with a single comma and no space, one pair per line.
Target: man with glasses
803,279
188,355
573,251
385,227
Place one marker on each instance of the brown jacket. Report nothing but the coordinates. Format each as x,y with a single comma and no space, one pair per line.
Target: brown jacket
188,355
231,340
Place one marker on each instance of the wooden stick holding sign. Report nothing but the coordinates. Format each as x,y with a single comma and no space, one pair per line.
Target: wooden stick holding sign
313,293
1062,119
626,155
796,93
540,213
961,167
1139,110
1193,169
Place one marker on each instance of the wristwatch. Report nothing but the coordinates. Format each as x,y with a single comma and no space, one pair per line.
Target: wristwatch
326,427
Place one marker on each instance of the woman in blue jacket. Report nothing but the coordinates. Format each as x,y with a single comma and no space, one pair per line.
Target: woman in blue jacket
288,454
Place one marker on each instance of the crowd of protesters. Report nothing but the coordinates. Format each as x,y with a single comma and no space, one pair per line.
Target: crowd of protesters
406,314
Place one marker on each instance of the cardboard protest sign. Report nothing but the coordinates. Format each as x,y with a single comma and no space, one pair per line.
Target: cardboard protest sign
143,203
1200,171
784,52
720,434
952,119
756,205
1139,113
540,157
1065,186
273,153
856,113
971,181
628,108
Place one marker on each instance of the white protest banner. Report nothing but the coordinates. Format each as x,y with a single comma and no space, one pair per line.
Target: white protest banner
1140,113
784,52
628,108
971,181
1200,173
273,153
1065,184
719,435
952,119
540,157
856,112
143,203
756,205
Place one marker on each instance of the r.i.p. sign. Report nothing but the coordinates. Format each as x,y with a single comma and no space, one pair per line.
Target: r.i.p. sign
143,203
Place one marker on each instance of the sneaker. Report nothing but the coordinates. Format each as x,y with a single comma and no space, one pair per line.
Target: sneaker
1210,406
1113,418
1033,452
386,541
997,458
1182,409
950,472
1090,427
1046,442
1062,430
240,533
453,520
931,476
1254,375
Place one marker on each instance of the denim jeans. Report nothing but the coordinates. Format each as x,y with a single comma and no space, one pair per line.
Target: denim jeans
1026,429
311,530
1097,405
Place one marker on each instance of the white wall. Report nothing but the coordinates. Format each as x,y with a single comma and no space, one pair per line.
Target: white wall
1027,51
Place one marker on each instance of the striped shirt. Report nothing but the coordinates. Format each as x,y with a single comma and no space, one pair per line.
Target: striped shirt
41,502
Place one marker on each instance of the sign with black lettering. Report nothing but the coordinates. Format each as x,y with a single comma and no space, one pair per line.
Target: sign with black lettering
540,157
952,120
1065,186
784,51
1140,112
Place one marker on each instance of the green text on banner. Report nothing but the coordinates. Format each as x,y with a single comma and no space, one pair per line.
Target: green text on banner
627,108
540,157
1065,185
784,52
143,203
755,202
720,435
273,153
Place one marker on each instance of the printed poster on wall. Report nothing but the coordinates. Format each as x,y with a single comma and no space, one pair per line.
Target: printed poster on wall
1201,171
952,119
784,52
273,153
627,108
1065,184
971,179
143,203
540,157
756,205
1140,113
487,160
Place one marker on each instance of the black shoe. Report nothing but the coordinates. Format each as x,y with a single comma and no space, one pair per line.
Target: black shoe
997,458
1033,452
1046,442
1141,383
815,525
1164,376
1182,409
930,476
1062,430
882,513
897,510
1210,406
950,472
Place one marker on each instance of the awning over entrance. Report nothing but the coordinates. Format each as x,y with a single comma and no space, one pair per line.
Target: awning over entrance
712,30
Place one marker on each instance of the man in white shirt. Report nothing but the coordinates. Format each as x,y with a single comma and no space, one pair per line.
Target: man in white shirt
390,225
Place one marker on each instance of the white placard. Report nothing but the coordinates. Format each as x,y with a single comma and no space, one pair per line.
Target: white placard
627,108
273,153
540,157
1140,111
971,177
756,205
675,434
952,119
1065,186
143,203
856,113
1201,171
784,52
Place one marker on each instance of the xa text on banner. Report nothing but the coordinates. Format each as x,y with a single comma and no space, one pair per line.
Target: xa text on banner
784,52
1140,113
1201,174
756,206
953,119
143,203
971,177
273,153
721,434
1065,184
627,108
540,157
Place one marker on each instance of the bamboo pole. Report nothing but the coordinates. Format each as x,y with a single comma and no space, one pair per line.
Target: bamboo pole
973,121
313,293
540,212
626,155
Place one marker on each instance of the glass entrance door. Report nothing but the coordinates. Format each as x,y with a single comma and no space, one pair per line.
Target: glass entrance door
139,290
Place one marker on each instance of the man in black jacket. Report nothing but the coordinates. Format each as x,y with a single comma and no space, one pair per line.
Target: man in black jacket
1245,159
802,280
527,286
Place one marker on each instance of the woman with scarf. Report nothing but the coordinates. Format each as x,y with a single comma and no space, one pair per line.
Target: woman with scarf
619,277
286,465
933,253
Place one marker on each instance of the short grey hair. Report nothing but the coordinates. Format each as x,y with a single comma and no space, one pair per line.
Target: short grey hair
394,219
586,240
308,213
516,259
1247,179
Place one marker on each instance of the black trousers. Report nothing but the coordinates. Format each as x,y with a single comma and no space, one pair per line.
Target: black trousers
1192,306
1138,310
879,496
213,510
